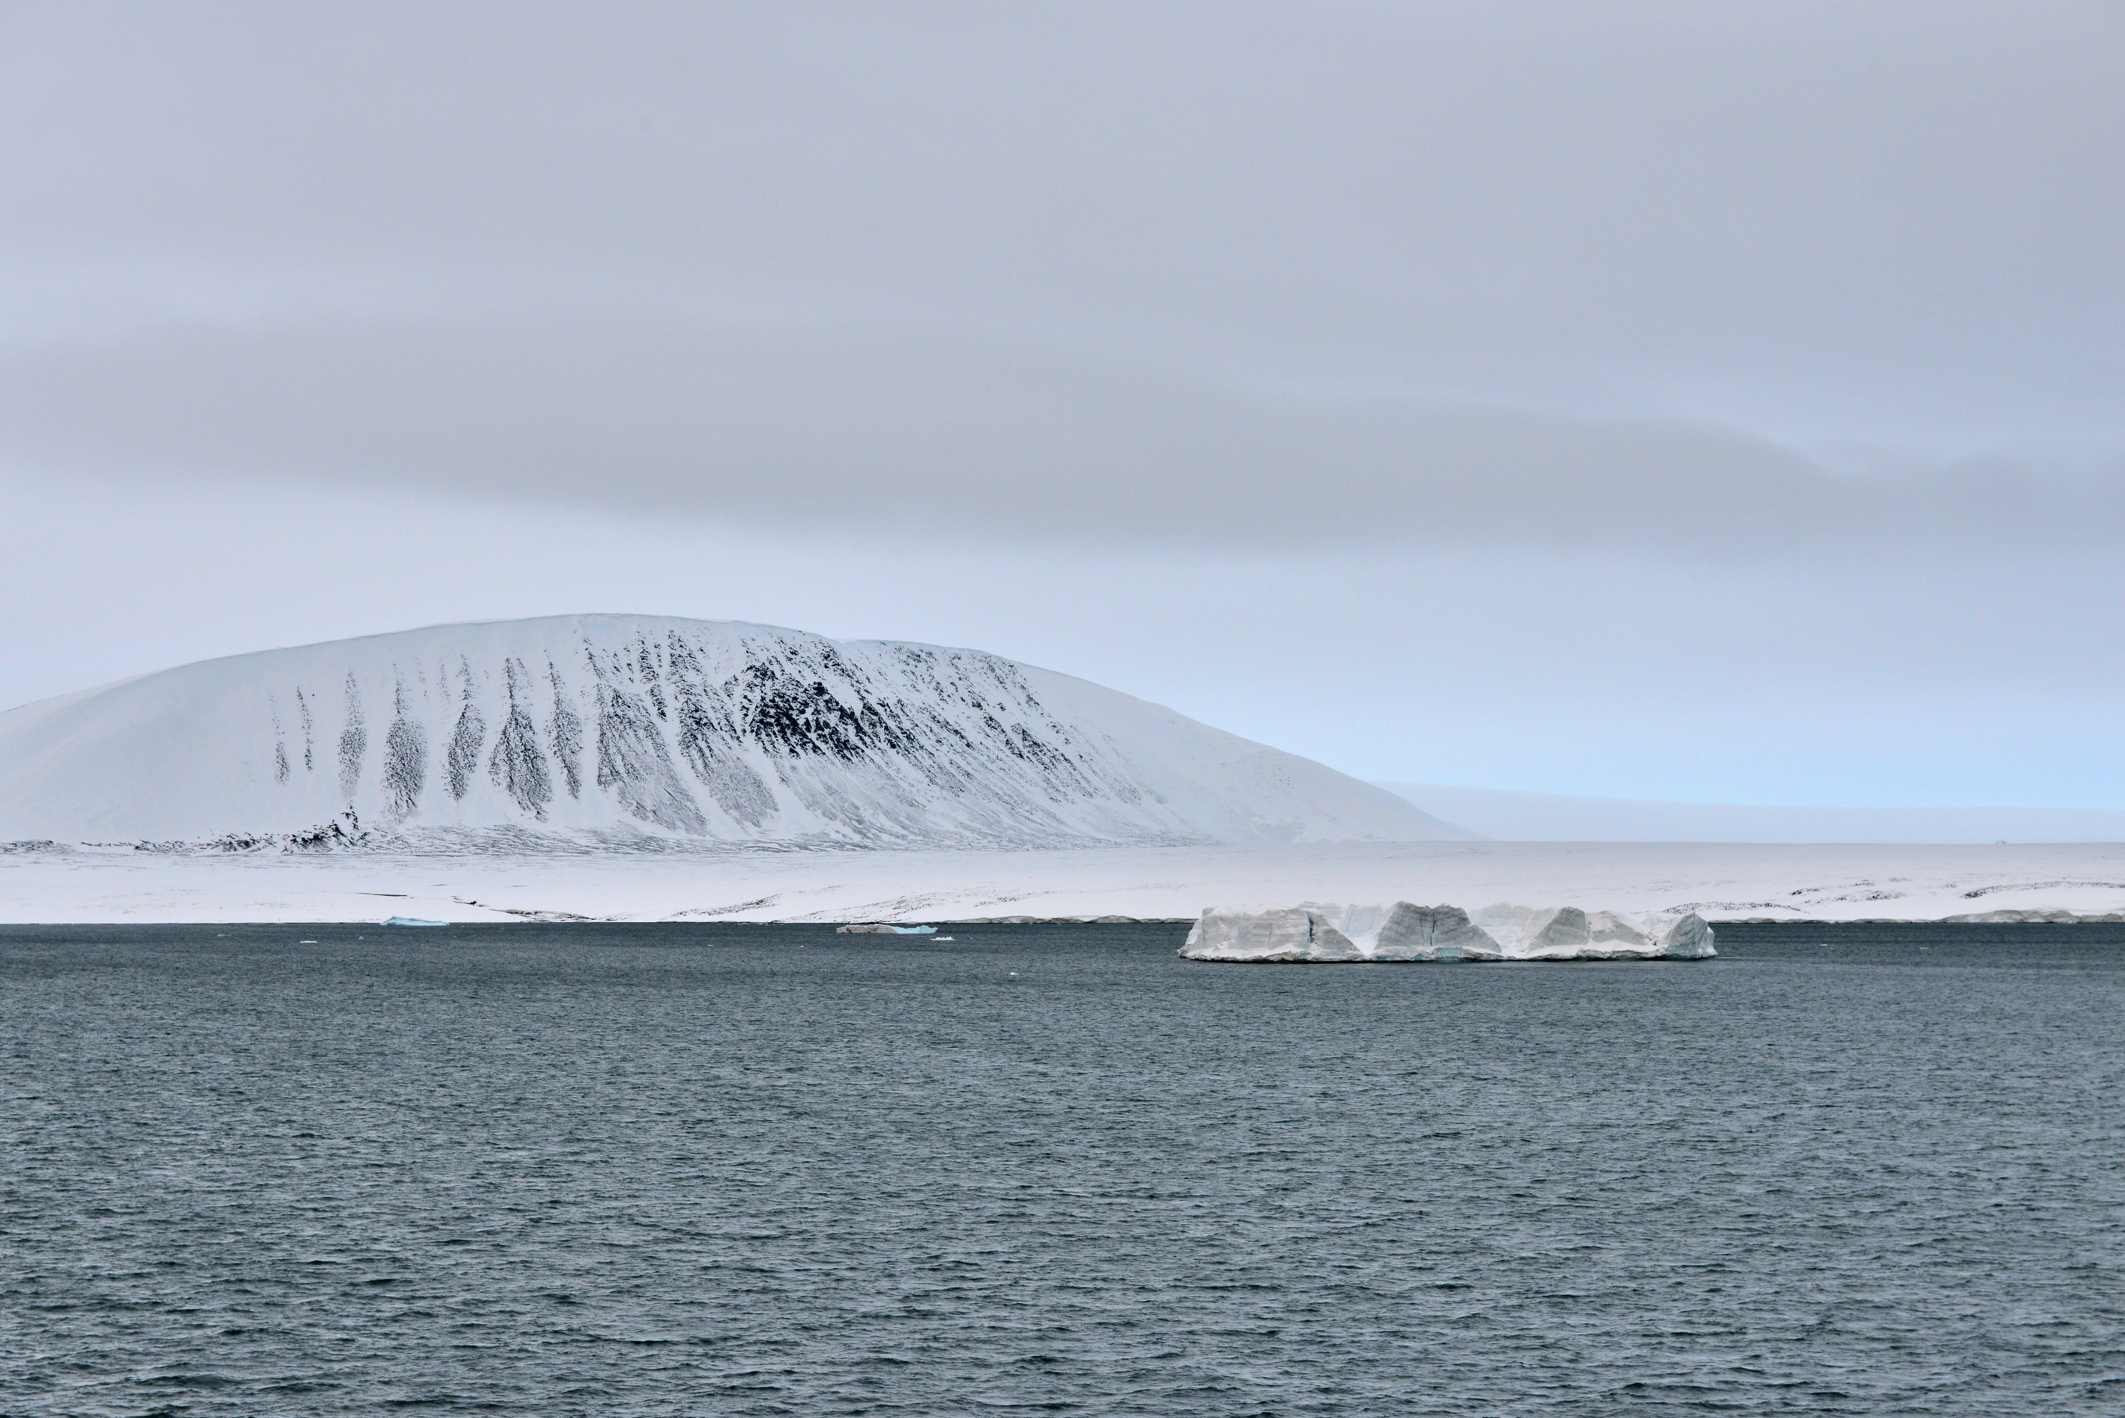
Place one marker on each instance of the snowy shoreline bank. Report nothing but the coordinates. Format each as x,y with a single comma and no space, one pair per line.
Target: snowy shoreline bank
1722,883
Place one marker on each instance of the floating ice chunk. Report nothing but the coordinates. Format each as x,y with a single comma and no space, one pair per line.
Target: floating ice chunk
1688,937
1293,935
1317,933
1568,933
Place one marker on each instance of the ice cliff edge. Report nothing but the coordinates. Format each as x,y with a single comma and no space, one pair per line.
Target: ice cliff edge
1335,935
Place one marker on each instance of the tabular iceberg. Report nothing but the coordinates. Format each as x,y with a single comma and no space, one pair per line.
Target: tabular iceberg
1336,935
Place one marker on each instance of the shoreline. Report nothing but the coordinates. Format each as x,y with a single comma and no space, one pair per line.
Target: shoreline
1724,883
514,919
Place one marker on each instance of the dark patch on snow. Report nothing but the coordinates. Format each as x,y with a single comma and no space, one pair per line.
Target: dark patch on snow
2043,886
463,759
342,833
302,711
353,741
564,733
518,765
634,763
280,740
801,718
708,742
646,671
405,759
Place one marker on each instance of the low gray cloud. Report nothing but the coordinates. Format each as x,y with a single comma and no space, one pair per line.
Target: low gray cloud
1185,251
910,434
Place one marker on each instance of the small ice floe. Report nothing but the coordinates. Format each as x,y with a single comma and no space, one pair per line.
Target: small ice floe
882,928
411,921
942,940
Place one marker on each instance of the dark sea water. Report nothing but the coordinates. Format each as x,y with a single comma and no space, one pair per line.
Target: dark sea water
765,1170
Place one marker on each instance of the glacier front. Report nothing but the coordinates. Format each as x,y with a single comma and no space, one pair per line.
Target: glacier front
1317,934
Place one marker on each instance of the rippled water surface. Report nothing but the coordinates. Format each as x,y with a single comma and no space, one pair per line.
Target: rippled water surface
755,1170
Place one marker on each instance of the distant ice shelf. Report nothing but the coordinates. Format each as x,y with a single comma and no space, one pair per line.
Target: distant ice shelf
1404,932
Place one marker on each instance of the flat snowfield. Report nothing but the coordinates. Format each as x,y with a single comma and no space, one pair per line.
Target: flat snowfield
1718,881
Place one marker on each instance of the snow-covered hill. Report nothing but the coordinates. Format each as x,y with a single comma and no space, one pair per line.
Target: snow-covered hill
643,730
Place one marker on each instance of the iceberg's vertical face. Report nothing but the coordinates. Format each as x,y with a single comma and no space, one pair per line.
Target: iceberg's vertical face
1329,945
1295,935
1563,933
1568,933
1688,937
1431,933
1406,932
648,726
1606,927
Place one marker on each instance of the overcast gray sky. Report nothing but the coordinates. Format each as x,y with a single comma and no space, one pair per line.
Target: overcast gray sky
1657,400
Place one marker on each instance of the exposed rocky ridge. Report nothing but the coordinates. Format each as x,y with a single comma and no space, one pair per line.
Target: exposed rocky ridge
343,833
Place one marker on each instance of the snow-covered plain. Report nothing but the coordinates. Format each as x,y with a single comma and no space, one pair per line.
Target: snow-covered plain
1718,882
1508,816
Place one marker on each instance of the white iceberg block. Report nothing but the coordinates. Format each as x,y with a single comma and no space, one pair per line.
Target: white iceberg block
1320,933
1293,935
1688,937
1569,933
1413,932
